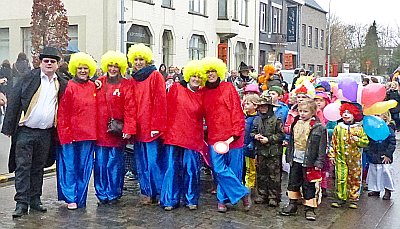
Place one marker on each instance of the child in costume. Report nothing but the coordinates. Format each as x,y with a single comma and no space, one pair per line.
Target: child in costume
268,135
305,153
280,108
225,122
250,112
322,99
380,158
347,140
151,102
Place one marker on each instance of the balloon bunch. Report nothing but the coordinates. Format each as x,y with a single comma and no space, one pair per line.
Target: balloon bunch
371,97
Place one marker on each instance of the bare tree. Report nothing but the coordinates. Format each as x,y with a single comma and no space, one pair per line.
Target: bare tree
49,26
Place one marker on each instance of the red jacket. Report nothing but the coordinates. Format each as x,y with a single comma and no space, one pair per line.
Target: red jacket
151,103
76,115
121,103
185,118
224,116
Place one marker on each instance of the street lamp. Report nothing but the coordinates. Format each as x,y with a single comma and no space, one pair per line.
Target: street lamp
329,39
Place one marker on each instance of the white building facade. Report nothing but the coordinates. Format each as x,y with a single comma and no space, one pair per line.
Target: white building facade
176,30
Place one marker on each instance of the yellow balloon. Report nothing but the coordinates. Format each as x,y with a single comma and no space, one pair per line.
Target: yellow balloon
380,107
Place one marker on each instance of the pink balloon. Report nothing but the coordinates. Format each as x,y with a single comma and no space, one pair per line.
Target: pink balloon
373,93
332,112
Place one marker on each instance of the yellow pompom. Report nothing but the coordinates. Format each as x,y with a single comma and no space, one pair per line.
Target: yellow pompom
114,58
82,58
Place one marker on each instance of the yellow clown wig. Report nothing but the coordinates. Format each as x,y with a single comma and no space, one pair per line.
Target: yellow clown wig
140,51
195,68
213,63
114,58
81,58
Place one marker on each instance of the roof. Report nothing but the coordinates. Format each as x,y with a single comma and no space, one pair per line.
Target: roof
313,4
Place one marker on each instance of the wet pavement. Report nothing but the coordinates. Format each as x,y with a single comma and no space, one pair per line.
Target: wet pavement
5,143
373,212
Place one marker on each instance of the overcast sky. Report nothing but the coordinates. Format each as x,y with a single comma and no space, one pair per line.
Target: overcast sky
385,12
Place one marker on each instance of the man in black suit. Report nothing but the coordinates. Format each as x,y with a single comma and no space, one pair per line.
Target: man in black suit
30,121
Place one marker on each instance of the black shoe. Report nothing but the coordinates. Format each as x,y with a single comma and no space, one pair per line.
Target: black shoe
273,203
19,212
374,193
290,209
310,215
38,207
387,194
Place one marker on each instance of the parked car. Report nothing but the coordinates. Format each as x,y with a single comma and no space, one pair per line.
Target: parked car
381,79
358,77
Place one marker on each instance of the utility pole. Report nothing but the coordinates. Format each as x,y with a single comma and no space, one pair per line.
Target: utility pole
122,22
328,70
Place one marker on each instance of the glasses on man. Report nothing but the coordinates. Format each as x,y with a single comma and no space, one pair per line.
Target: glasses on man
49,61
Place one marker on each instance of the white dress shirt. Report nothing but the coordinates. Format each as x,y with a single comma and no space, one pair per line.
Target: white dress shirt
43,113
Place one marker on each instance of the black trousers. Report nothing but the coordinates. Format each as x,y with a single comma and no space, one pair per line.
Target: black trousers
31,151
297,180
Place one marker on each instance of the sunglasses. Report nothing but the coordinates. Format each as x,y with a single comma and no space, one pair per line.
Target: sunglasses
49,61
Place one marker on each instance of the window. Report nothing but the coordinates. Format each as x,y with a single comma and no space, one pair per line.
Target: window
27,42
322,42
263,17
276,20
240,53
167,3
4,43
73,38
309,41
197,47
167,47
320,69
222,9
311,67
316,41
243,12
251,55
235,11
304,35
197,6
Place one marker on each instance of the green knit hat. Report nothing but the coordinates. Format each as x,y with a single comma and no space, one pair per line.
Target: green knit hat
278,89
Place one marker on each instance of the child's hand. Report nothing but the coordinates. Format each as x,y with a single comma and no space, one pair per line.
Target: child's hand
355,138
386,160
264,140
257,137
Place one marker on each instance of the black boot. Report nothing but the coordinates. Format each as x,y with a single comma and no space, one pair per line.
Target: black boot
20,210
290,209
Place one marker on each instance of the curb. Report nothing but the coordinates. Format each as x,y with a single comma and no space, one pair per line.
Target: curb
11,176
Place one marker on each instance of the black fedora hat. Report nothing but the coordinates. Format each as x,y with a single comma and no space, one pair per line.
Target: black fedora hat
50,52
243,67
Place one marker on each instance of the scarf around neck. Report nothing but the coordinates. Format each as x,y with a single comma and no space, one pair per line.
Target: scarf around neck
144,73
